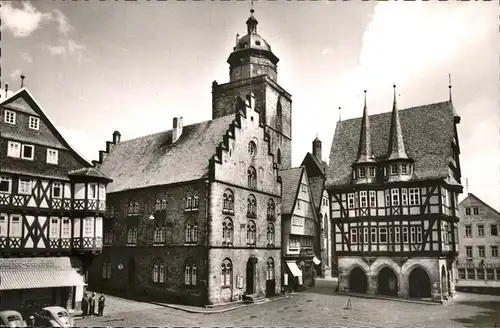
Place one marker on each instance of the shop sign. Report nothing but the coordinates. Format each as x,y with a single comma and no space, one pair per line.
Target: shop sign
472,265
34,263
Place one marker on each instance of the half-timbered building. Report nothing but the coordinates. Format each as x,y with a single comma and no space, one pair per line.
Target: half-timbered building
52,206
299,225
316,172
393,181
196,208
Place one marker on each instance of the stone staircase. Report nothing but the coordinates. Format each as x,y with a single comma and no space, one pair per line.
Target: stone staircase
253,299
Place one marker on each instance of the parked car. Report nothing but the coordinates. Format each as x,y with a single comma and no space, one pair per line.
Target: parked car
53,316
11,318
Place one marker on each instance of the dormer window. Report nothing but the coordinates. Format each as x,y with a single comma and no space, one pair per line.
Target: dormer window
371,171
394,169
9,117
404,168
362,172
34,123
257,42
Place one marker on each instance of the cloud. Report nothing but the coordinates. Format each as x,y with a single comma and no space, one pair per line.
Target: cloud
22,22
15,74
26,57
68,47
62,21
57,50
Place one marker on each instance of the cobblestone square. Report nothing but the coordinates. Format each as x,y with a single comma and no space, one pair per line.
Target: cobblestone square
318,306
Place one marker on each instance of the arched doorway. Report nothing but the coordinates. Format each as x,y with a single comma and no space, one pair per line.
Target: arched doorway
387,282
420,284
251,275
358,283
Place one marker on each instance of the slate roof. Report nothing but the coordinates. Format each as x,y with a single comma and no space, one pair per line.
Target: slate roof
290,181
88,172
153,160
471,195
427,132
316,185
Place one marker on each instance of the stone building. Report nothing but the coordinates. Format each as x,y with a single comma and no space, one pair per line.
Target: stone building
299,230
196,208
316,171
52,206
478,262
393,181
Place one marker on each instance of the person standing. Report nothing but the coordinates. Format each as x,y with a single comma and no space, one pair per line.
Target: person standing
92,305
100,305
85,305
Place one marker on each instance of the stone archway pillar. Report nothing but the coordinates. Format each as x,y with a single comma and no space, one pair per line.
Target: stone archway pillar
436,294
372,283
343,281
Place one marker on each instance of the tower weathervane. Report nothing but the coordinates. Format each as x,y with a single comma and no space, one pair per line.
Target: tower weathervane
449,84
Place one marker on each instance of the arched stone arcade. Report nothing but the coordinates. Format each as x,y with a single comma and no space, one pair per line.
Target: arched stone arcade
358,281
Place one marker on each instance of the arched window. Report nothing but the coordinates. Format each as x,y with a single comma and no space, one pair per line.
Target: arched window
158,205
252,206
189,202
251,233
252,148
252,177
271,209
106,270
279,115
132,236
270,235
130,208
228,201
190,272
159,235
227,232
158,271
278,155
270,269
136,207
226,273
163,204
191,232
196,201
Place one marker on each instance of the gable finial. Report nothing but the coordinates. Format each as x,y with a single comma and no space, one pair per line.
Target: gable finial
340,112
22,80
6,89
449,85
467,186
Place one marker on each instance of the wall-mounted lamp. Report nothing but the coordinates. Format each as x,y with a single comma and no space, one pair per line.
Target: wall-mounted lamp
151,217
120,266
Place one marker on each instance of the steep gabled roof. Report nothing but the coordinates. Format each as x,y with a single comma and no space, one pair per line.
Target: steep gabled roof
291,179
319,165
428,132
316,185
154,160
471,195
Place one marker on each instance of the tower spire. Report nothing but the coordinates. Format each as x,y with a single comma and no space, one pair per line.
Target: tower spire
396,144
365,151
252,22
449,85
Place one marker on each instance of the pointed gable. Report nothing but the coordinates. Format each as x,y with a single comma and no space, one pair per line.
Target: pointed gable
471,198
396,142
291,179
20,105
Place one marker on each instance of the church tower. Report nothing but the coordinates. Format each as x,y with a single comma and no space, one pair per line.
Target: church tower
253,68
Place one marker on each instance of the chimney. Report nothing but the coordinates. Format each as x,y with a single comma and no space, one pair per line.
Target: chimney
317,149
116,137
22,81
177,129
6,89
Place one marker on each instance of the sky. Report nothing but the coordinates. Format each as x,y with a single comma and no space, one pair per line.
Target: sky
100,66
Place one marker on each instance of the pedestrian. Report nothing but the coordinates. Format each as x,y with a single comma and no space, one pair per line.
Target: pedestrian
92,305
100,305
31,321
85,305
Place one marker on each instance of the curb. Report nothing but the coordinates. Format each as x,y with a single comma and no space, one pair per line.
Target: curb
402,300
215,311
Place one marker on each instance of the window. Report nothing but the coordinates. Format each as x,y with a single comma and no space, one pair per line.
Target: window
9,117
363,198
394,169
395,197
468,231
404,196
5,184
480,274
293,243
132,236
374,235
270,235
413,232
414,196
228,201
468,251
383,235
56,190
88,227
493,230
270,269
227,232
304,187
15,226
106,270
189,202
362,172
371,170
66,232
271,209
467,211
190,273
365,235
54,228
158,271
24,187
34,123
461,274
92,192
3,226
475,210
102,192
108,237
469,274
404,168
159,235
251,233
354,235
391,235
252,177
191,231
196,202
157,205
28,152
252,206
298,204
226,273
419,234
405,234
14,149
252,148
373,198
490,274
494,251
397,235
387,198
350,200
480,230
279,156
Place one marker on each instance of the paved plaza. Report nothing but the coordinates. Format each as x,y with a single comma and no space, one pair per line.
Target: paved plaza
318,306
